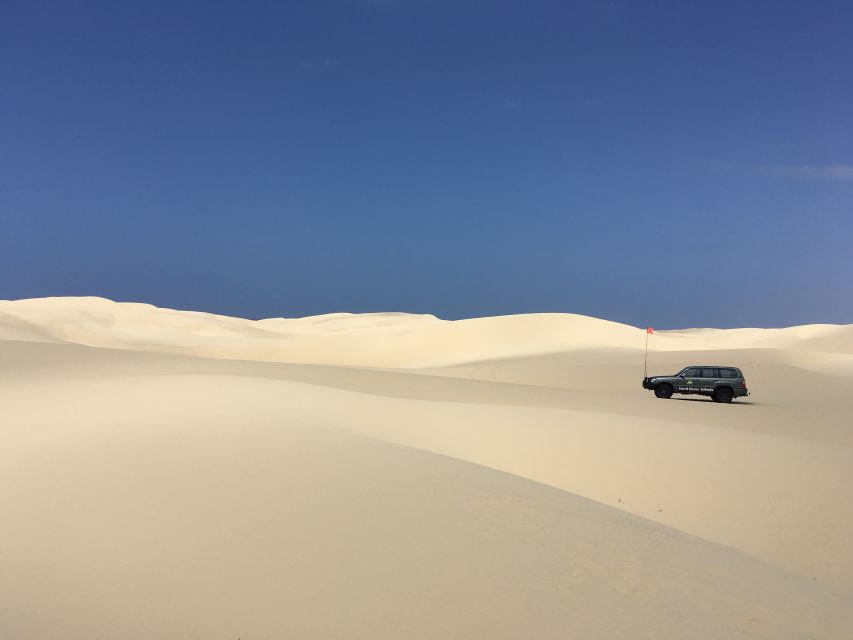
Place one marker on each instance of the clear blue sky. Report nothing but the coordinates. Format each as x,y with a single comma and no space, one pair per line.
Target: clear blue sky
666,163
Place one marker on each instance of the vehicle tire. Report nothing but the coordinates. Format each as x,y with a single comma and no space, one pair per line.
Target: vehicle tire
664,390
723,394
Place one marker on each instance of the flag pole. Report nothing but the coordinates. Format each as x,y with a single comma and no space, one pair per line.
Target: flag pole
646,354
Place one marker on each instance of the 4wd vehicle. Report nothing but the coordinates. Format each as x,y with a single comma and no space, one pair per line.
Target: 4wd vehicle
721,383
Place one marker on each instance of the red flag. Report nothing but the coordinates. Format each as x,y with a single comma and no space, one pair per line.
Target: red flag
649,330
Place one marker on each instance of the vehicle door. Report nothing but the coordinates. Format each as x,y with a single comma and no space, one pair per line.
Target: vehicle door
688,382
707,380
730,378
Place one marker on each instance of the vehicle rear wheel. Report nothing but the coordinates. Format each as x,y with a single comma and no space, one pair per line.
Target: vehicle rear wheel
723,394
664,391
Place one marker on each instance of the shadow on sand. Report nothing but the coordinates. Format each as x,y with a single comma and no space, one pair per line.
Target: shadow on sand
707,399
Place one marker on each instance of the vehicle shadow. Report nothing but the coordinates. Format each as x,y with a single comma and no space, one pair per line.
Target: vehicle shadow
704,399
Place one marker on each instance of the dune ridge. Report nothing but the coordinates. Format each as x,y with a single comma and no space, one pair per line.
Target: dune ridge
382,339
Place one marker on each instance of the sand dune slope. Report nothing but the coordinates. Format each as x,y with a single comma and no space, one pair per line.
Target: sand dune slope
193,507
388,476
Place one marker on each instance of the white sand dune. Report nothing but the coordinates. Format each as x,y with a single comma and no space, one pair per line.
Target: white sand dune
378,339
175,474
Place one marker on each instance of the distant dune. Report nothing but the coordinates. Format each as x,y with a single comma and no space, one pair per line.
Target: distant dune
379,339
173,474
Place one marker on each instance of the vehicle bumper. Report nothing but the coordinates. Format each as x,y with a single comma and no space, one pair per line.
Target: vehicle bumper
646,384
741,393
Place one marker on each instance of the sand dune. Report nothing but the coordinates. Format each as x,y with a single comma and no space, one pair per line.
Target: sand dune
176,474
380,339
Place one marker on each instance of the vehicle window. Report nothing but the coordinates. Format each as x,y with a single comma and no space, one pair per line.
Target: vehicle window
691,373
728,373
707,373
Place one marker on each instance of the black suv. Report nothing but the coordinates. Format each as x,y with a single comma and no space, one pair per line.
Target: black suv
721,383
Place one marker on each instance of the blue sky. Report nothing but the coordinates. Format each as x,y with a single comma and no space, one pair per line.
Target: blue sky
669,163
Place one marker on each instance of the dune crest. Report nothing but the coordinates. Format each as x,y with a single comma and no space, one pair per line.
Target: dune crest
383,339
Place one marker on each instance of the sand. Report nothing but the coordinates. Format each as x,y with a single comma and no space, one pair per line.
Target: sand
174,474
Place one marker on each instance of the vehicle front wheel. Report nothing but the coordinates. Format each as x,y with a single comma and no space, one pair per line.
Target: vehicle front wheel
723,394
664,391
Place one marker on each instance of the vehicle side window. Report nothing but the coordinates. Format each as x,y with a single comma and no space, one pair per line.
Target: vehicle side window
728,373
708,373
691,373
